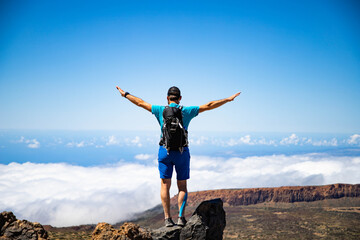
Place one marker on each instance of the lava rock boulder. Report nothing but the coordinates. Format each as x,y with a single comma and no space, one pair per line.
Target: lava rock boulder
11,228
207,223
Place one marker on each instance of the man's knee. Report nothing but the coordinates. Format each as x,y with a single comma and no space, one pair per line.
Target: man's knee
166,182
182,185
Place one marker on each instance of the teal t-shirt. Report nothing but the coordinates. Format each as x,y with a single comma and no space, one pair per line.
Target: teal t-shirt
188,113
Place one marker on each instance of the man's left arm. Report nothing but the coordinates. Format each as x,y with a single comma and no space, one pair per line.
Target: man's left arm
135,100
215,104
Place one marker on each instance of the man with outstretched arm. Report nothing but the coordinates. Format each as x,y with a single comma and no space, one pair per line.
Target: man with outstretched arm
180,158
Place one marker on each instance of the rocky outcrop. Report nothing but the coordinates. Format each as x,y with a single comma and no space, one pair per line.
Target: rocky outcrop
11,228
128,231
207,222
236,197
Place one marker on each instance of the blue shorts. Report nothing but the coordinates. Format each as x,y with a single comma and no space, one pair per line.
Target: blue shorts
181,161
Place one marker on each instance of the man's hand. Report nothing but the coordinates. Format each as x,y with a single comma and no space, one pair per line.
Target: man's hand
233,96
121,91
135,100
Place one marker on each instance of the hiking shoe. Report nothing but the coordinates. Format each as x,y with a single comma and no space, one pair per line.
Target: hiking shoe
181,221
169,222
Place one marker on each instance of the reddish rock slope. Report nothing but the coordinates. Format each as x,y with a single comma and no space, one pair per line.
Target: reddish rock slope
235,197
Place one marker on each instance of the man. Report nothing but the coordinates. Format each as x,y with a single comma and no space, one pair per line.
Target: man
167,159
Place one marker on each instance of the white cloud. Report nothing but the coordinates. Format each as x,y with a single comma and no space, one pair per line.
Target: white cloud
356,160
62,195
272,171
291,140
112,140
308,168
354,139
242,140
231,142
75,144
263,141
135,141
143,156
333,142
31,143
246,140
198,140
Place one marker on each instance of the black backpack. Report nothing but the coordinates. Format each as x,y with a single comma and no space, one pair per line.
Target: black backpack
174,135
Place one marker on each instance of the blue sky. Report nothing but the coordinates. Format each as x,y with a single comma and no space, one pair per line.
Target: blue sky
297,63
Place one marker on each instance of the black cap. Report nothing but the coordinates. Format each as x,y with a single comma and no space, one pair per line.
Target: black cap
174,91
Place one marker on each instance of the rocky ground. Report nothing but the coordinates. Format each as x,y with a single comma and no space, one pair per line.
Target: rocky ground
70,235
287,221
329,219
324,212
325,219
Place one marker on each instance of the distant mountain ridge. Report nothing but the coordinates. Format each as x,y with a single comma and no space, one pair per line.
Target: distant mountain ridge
290,194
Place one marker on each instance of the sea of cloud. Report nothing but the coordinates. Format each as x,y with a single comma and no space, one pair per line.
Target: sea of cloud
196,139
64,195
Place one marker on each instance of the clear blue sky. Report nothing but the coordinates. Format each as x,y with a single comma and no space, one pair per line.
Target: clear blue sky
297,63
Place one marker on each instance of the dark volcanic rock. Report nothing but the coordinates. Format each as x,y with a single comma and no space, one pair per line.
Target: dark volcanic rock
6,218
11,228
207,222
164,233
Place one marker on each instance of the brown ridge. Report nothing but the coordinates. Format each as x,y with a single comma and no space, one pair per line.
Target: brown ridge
236,197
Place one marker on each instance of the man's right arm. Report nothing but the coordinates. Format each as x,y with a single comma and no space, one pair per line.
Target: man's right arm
215,104
135,100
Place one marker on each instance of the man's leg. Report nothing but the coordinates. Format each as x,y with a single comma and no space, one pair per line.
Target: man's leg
165,196
181,197
182,166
